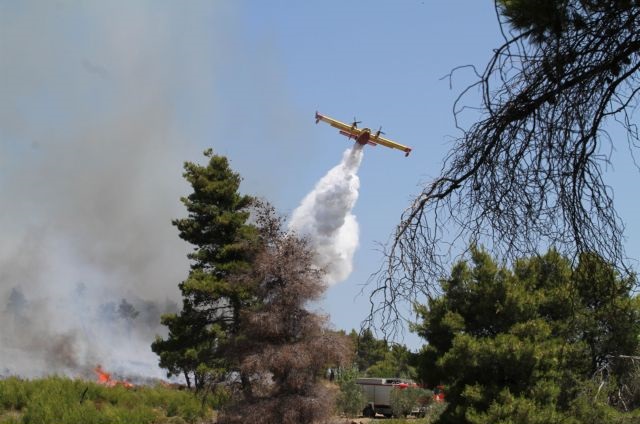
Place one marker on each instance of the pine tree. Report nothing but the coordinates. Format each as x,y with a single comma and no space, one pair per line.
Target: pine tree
224,245
522,345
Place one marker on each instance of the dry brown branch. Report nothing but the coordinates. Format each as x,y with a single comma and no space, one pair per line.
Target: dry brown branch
283,348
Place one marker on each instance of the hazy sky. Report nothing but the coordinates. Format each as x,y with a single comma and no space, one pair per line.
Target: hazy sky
101,102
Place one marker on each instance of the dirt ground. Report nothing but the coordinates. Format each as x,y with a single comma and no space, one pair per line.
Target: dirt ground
352,420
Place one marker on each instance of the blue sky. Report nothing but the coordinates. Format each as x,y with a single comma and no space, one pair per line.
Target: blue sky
100,103
382,62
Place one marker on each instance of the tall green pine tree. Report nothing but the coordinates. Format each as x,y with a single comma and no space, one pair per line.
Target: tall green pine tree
224,245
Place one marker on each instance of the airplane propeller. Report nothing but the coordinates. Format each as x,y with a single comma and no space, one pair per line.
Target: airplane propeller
355,123
379,132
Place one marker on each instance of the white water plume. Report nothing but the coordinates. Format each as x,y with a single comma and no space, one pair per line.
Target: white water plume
325,217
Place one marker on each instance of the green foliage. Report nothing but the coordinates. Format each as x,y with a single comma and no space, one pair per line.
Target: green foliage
368,349
224,245
377,358
518,346
433,412
520,410
351,399
537,15
13,394
56,400
397,362
551,18
405,400
591,406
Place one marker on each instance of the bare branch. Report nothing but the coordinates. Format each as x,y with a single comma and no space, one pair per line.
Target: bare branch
528,174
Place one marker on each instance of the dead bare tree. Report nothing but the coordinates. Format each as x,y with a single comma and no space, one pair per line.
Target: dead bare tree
283,348
528,174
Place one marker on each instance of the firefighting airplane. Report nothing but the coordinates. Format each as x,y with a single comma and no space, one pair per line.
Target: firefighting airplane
362,135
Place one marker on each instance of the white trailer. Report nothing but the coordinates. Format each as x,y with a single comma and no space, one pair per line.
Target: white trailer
378,393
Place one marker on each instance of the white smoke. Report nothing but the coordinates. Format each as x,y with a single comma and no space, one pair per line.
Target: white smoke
90,162
325,217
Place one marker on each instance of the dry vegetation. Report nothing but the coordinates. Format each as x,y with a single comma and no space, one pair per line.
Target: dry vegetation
284,348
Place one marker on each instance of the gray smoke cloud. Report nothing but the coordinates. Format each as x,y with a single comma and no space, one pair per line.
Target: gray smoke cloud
90,165
325,217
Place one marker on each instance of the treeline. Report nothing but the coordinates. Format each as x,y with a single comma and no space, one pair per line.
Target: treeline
377,357
546,340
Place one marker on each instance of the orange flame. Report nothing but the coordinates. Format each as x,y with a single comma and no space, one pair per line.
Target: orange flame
105,378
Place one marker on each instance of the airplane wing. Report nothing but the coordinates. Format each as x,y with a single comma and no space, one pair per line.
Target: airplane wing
345,129
378,139
352,131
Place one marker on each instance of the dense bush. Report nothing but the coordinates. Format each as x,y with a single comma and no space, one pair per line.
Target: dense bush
350,400
13,394
405,400
57,400
433,412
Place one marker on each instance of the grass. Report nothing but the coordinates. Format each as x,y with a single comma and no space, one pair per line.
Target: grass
57,400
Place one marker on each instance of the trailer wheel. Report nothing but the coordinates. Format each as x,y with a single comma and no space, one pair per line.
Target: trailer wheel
368,412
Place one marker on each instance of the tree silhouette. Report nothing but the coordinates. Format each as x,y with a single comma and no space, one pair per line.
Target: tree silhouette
528,174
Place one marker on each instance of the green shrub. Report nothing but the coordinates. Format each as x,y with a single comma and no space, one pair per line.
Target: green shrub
216,398
350,400
433,412
174,420
56,400
13,394
405,400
